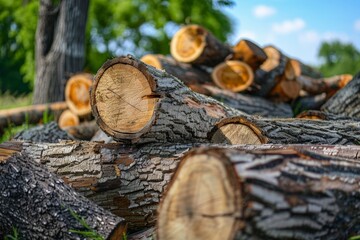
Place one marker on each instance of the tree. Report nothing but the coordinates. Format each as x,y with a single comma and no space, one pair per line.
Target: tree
339,58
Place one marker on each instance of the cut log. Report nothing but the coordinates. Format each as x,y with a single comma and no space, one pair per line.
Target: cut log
68,119
196,45
191,76
302,69
39,205
126,180
100,136
266,77
48,133
77,94
250,104
279,194
242,130
309,103
83,131
30,114
235,76
250,53
328,85
135,102
345,102
319,115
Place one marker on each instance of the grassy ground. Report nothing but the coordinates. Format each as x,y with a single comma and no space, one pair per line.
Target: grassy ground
10,101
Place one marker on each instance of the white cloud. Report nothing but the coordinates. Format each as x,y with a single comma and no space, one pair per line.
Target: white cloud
309,37
314,37
357,25
262,11
289,26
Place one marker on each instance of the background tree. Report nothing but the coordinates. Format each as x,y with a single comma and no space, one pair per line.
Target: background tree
339,58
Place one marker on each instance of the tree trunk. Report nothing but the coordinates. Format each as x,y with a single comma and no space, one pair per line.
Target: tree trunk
279,194
196,45
319,115
250,53
345,102
60,47
155,107
83,131
48,133
250,130
30,114
38,204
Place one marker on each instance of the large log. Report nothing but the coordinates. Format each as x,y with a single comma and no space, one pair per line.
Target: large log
345,102
280,194
126,180
39,205
196,45
246,130
135,102
250,53
30,114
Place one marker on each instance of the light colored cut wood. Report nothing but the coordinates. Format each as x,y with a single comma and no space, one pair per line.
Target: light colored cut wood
77,94
273,58
233,75
68,119
235,134
152,60
123,98
203,210
250,53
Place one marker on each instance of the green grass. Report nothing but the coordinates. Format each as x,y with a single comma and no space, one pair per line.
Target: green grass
8,101
13,236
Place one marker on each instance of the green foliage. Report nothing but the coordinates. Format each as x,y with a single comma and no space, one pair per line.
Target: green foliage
339,58
13,236
89,233
8,100
11,130
355,238
47,117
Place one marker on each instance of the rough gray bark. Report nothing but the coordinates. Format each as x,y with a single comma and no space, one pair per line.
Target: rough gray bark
60,47
282,194
345,102
309,102
180,114
38,204
48,133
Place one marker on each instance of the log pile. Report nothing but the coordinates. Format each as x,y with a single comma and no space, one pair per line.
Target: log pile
180,156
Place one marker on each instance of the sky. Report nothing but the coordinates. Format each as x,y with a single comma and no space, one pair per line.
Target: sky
297,27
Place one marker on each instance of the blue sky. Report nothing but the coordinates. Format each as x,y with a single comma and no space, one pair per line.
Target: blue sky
297,27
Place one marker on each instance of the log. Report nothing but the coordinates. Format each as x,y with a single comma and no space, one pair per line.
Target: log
279,194
83,131
30,114
249,104
328,85
100,136
319,115
345,102
48,133
266,77
309,103
235,76
147,234
250,53
196,45
193,77
246,130
68,119
155,107
77,95
302,69
38,204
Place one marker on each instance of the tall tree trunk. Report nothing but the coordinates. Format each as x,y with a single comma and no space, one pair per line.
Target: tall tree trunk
60,47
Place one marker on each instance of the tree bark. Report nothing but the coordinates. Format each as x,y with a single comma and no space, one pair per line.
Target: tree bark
156,107
250,130
60,47
250,53
39,205
147,234
309,103
319,115
345,102
30,114
279,194
196,45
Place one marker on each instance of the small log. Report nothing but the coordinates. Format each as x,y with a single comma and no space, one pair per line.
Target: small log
48,133
319,115
302,69
30,114
328,85
278,194
250,53
68,119
196,45
245,130
193,77
77,94
155,107
235,76
83,131
345,102
38,204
